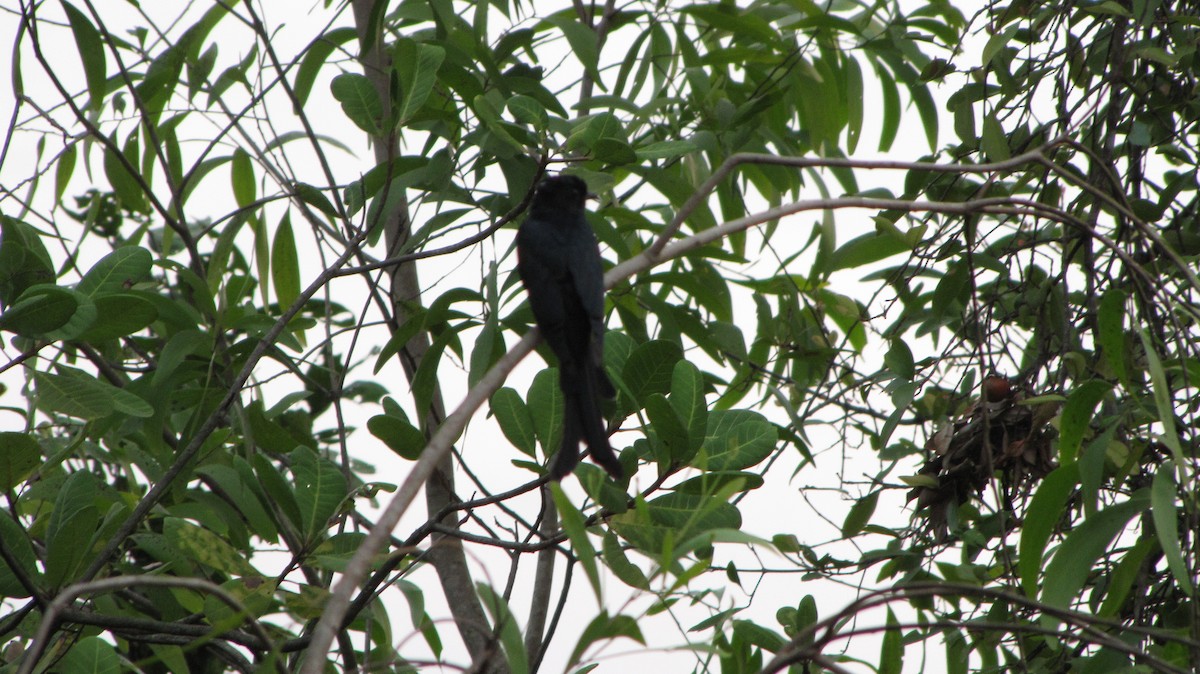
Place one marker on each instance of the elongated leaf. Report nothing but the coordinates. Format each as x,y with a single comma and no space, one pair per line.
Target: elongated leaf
119,270
91,655
417,64
91,53
320,488
285,264
1077,417
515,420
1045,512
649,368
359,101
314,59
206,547
859,515
1166,523
21,546
604,627
687,398
78,394
582,41
574,526
507,627
1076,557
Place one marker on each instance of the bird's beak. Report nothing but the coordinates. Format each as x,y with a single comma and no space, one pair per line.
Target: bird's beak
593,196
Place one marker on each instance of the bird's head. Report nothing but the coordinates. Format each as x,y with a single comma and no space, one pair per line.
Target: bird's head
560,193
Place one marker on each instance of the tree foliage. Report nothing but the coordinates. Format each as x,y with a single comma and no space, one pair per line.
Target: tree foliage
902,299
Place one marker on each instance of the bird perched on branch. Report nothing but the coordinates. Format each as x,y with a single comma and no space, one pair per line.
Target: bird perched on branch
558,260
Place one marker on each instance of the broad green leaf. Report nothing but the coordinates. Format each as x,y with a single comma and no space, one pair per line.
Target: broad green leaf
417,65
78,394
604,627
1077,417
21,547
994,140
73,523
1166,522
575,527
49,312
398,434
118,315
246,499
649,368
359,101
205,547
24,261
1046,510
91,655
285,264
546,406
1076,557
618,562
506,627
736,439
117,271
674,518
320,488
91,53
687,398
669,430
667,149
515,420
19,455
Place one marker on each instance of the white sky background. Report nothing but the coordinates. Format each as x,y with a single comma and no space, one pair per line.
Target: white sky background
810,505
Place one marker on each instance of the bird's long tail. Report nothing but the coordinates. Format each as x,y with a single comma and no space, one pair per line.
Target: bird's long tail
584,420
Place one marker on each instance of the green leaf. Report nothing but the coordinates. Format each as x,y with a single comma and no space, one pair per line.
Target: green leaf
1124,575
91,53
859,515
649,368
119,270
1077,416
417,65
314,59
205,547
359,101
91,655
78,394
891,109
995,140
674,518
241,176
687,398
604,627
891,654
320,488
574,526
119,167
49,312
19,455
21,546
1166,523
1044,513
285,264
1162,398
736,439
398,434
1111,335
515,420
73,524
867,249
669,430
118,315
529,111
618,562
24,261
546,407
582,41
506,625
242,496
667,149
1076,557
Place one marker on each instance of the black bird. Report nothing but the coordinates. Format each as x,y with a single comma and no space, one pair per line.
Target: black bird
558,259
